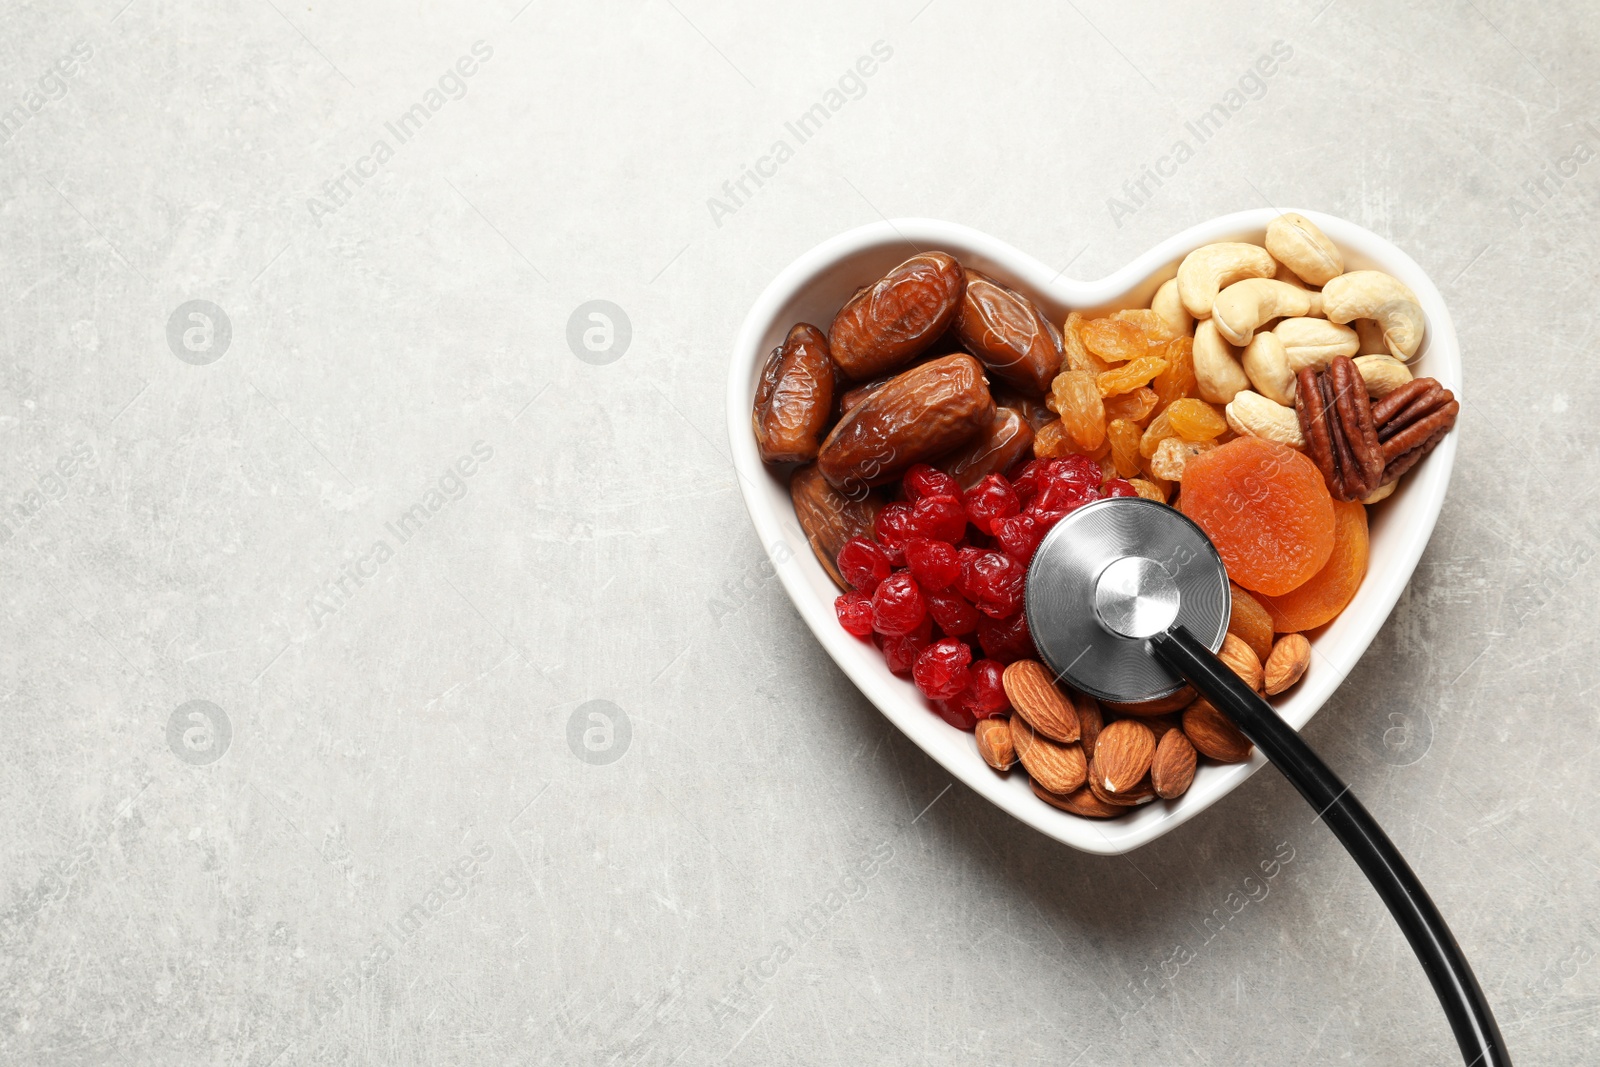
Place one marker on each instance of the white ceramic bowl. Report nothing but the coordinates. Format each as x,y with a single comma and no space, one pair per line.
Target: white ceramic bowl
814,286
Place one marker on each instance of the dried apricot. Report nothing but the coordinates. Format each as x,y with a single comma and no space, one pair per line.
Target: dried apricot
1135,406
1124,437
1177,381
1114,340
1130,375
1195,420
1074,355
1250,622
1078,402
1322,596
1266,508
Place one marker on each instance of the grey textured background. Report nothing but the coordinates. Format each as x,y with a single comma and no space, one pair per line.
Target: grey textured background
769,873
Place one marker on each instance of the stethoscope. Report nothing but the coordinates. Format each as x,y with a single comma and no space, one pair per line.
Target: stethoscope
1127,599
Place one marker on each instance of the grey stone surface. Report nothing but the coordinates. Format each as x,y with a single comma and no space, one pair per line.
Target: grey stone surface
394,830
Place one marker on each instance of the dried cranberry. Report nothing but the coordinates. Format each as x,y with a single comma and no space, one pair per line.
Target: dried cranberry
1118,487
940,518
986,694
1019,535
897,605
922,480
933,563
956,714
994,582
941,671
1006,640
953,612
901,653
1065,495
893,528
993,498
1076,468
1028,478
863,564
855,613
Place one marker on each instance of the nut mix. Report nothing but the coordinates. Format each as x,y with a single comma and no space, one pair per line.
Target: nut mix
945,424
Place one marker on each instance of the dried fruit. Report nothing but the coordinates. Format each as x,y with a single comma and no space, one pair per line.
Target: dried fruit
794,398
1287,663
1267,510
939,518
994,743
1008,332
1159,430
1173,455
855,612
1172,768
1053,441
1178,380
933,564
863,564
953,612
1114,340
1078,402
1122,755
1033,693
941,672
1195,420
991,499
1241,660
1156,330
1008,439
1134,406
1322,596
829,518
923,479
887,324
1148,489
1213,734
1006,640
897,605
1059,768
1124,437
1130,376
900,653
993,581
929,410
1250,622
1074,356
986,695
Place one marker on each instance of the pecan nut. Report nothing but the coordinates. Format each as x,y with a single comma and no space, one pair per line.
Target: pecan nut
1359,445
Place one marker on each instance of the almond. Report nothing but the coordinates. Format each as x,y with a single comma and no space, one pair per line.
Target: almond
1160,725
1172,770
1057,767
1141,793
1213,734
1033,693
994,743
1242,660
1090,721
1122,755
1080,801
1288,662
1175,702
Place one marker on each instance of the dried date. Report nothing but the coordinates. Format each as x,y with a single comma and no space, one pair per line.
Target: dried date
1009,333
892,321
795,397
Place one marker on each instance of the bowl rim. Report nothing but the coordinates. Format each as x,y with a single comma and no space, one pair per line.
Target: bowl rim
796,566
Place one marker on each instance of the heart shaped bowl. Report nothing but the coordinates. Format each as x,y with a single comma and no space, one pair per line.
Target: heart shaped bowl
814,286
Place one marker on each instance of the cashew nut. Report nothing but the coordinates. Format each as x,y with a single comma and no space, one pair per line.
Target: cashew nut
1314,342
1370,335
1244,307
1217,373
1253,414
1383,374
1169,306
1299,244
1380,493
1264,361
1372,294
1205,271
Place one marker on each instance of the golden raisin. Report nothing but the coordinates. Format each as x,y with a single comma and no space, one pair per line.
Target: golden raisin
1124,437
1130,375
1075,355
1195,420
1159,430
1173,453
1053,441
1148,490
1078,403
1134,406
1114,340
1177,380
1155,328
